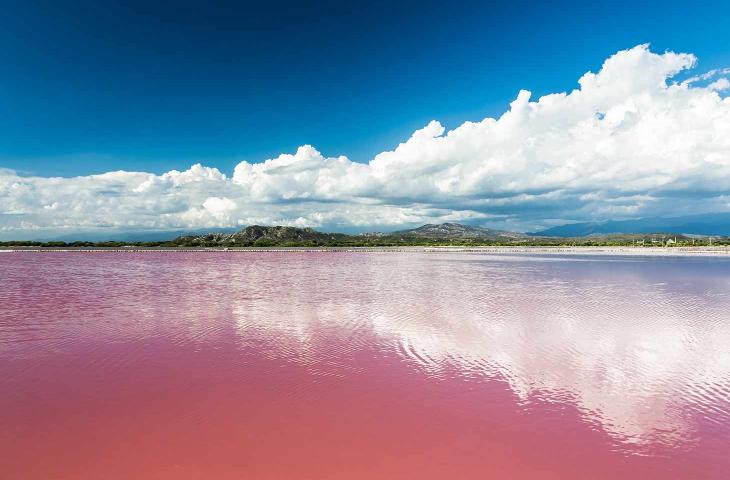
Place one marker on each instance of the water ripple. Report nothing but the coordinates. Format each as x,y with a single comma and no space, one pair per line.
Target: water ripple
638,347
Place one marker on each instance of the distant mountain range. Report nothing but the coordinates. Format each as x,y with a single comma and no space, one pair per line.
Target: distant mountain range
716,224
444,234
712,224
259,235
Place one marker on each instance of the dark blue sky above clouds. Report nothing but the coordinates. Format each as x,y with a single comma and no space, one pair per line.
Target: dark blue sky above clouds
93,86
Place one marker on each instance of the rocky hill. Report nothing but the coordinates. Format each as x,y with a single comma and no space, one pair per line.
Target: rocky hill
266,236
455,230
259,235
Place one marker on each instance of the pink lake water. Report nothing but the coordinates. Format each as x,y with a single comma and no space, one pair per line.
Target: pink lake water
258,365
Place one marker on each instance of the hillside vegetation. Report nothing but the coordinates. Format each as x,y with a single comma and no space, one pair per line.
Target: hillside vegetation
445,234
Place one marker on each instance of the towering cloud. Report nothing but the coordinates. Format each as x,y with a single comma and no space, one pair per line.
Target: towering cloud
632,140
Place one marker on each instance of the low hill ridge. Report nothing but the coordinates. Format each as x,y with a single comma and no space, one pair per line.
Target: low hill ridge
456,230
444,234
263,235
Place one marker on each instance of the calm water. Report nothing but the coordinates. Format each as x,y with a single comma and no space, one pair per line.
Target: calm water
375,366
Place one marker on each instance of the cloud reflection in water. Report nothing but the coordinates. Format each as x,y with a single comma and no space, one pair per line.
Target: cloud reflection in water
637,345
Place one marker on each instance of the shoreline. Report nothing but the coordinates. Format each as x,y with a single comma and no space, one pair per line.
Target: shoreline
523,250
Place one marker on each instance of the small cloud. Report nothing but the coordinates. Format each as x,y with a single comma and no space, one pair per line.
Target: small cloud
719,85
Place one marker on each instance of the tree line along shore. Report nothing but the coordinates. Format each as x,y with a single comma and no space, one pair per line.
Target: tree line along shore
447,235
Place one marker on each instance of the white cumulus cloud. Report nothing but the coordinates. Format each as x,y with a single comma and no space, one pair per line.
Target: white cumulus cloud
632,140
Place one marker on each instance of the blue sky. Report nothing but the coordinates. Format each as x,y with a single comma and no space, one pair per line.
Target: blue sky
92,86
150,116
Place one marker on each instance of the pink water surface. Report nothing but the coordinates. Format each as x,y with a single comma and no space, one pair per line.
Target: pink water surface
336,365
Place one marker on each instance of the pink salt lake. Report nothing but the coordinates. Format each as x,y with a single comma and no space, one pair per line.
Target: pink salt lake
334,365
